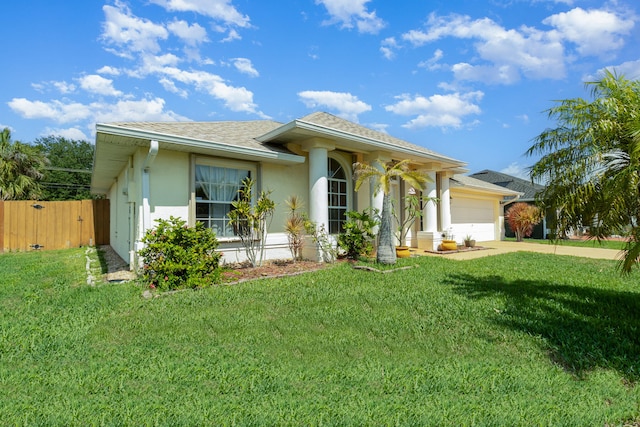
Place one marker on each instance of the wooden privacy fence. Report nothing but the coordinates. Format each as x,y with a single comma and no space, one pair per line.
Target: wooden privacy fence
29,225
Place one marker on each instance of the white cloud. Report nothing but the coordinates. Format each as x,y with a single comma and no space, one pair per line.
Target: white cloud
58,111
130,33
245,66
234,98
170,86
221,10
233,35
69,133
94,83
130,110
347,105
74,112
442,111
192,35
107,69
596,32
506,54
432,63
630,69
350,13
517,170
388,46
380,127
61,87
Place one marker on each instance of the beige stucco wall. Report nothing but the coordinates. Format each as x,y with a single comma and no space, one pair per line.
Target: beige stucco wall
285,181
169,185
120,215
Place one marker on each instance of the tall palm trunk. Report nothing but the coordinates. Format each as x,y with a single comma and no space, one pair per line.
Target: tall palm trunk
386,246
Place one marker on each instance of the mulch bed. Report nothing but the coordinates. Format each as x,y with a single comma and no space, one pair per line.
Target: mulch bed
460,249
238,273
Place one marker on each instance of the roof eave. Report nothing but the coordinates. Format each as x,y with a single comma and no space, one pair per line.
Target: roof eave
330,132
198,144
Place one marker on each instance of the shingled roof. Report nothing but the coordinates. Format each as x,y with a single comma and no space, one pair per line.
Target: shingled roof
256,140
462,181
527,188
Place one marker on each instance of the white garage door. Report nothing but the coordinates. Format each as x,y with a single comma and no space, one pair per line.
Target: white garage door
474,217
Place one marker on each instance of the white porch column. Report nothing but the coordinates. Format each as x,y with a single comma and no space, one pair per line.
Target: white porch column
374,160
429,238
445,202
430,217
318,182
146,192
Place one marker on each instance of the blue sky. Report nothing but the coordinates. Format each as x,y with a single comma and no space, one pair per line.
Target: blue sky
470,79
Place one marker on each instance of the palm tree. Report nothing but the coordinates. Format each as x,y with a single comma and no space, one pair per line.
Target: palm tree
21,168
383,176
591,163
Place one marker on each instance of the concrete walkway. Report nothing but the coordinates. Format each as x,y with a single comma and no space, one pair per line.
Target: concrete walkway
502,247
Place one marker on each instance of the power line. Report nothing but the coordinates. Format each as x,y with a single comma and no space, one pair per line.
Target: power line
54,168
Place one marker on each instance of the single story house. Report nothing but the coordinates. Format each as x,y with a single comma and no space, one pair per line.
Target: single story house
192,170
528,191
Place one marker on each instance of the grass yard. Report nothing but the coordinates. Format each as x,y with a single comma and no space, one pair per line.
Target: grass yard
517,339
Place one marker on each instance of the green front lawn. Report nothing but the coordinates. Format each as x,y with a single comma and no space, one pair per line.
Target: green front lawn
518,339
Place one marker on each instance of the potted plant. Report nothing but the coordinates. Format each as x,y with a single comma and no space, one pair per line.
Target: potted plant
448,241
412,212
469,242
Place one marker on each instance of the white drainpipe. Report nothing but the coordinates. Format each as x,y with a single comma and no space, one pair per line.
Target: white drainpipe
146,189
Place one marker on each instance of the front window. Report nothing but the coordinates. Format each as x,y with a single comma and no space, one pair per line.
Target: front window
337,180
215,188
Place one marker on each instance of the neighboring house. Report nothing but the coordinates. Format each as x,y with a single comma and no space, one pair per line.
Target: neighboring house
193,170
528,189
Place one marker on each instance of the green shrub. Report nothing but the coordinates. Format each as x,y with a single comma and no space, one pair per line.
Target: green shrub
176,256
357,236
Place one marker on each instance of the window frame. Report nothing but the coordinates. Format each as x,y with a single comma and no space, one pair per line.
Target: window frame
220,163
348,193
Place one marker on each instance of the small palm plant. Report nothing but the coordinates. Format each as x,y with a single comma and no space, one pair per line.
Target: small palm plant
295,227
383,176
250,222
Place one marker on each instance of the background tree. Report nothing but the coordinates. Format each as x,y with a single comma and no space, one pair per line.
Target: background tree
522,217
591,163
383,176
68,176
21,169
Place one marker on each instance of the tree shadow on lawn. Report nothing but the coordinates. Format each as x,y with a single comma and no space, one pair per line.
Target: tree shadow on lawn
583,328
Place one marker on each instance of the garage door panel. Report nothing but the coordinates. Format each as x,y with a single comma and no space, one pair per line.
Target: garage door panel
474,217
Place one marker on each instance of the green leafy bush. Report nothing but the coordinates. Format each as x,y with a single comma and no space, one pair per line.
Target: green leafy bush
176,256
357,236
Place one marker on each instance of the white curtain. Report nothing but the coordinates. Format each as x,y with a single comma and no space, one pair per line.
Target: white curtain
220,184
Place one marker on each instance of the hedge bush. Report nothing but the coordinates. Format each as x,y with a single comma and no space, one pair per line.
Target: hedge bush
176,256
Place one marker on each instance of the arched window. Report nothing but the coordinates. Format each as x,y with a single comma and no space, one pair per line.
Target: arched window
338,200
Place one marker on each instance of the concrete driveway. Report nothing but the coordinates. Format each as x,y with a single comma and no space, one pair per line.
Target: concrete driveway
502,247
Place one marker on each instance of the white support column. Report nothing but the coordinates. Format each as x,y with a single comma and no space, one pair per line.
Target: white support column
318,186
318,149
374,160
445,202
146,187
429,238
430,217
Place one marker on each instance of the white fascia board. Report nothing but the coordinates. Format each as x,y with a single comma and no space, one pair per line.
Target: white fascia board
478,189
195,143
